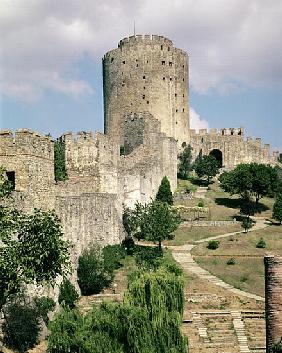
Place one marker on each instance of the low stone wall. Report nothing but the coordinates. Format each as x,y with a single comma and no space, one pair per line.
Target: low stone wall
207,223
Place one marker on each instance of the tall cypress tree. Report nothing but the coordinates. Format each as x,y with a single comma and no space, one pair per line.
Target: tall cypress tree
164,193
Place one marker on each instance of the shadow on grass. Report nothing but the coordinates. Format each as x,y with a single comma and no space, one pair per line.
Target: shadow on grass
200,182
230,203
235,203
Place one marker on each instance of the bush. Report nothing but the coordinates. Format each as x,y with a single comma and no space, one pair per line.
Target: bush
93,274
67,295
277,348
21,327
247,223
164,193
261,244
201,204
112,257
148,257
213,244
128,245
231,261
43,305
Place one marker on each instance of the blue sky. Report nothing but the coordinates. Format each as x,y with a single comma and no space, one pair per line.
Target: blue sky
50,60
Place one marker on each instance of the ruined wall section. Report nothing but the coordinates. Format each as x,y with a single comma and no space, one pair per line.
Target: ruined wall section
91,163
147,73
233,145
273,300
141,170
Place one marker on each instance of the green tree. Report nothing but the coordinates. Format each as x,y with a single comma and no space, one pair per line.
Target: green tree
247,224
158,221
206,166
280,158
5,186
164,193
251,180
185,162
277,209
33,250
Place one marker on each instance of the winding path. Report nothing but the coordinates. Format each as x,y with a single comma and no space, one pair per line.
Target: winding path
182,254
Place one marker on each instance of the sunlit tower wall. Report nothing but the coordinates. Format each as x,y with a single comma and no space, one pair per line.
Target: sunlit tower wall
273,300
147,74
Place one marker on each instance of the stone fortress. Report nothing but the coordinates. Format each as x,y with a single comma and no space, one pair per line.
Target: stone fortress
146,106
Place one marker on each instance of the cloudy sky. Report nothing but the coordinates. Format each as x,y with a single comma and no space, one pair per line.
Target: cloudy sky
50,60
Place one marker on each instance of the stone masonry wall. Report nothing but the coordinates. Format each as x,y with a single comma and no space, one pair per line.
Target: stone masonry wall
234,147
273,300
147,73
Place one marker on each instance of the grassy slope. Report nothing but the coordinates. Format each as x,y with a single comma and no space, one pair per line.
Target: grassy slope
248,271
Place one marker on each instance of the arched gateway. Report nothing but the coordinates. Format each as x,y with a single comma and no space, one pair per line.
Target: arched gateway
217,154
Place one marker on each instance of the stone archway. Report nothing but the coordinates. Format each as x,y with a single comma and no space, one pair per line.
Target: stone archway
217,154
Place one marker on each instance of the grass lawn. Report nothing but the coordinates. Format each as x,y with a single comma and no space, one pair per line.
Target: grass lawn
248,271
189,234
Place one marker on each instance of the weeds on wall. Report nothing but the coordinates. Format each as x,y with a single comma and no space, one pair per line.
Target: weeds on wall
59,161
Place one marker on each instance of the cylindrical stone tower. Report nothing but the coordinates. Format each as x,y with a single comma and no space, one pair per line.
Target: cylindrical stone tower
147,74
273,300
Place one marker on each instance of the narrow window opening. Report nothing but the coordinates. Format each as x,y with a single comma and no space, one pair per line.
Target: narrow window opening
112,59
143,96
183,95
123,62
144,77
183,110
168,49
11,176
176,122
175,95
147,102
144,87
170,79
176,110
147,61
137,65
163,78
163,62
183,66
162,47
183,80
170,63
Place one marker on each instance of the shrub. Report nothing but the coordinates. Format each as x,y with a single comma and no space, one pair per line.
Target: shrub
112,257
128,245
244,278
231,261
277,348
164,193
213,244
43,305
67,295
261,244
21,327
201,204
247,223
91,272
148,257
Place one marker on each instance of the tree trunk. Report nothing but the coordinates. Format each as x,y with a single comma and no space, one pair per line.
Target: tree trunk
160,245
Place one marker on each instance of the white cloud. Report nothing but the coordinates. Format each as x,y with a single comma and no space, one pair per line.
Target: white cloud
231,43
196,121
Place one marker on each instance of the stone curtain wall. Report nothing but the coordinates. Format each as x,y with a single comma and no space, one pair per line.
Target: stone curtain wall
234,147
273,300
31,156
147,74
89,219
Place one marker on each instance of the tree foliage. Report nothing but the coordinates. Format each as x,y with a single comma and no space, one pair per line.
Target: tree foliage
185,162
254,180
157,221
206,166
21,327
148,321
6,186
247,223
33,250
277,209
164,193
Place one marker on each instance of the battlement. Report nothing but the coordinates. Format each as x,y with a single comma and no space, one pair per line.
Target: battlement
26,142
146,39
221,132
